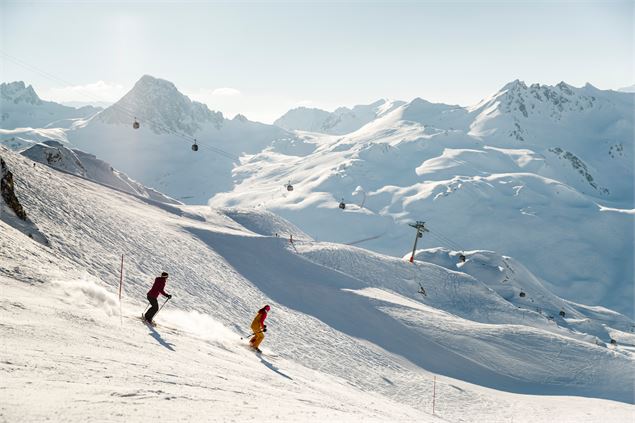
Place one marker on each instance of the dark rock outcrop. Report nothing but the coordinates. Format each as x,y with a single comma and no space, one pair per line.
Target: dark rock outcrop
7,190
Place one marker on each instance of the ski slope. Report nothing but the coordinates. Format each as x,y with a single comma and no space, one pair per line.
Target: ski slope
540,173
530,165
349,336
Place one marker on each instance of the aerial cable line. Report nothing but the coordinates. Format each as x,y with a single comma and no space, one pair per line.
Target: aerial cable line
116,106
442,236
445,241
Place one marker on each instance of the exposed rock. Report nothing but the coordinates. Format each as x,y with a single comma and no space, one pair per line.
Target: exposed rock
8,191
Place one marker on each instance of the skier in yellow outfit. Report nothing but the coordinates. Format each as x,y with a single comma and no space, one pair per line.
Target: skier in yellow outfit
259,328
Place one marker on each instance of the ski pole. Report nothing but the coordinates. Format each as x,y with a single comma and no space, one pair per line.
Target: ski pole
249,336
166,300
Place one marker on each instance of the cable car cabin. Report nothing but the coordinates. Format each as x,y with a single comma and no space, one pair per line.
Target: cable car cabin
289,187
522,294
613,341
562,313
342,204
135,124
462,258
194,146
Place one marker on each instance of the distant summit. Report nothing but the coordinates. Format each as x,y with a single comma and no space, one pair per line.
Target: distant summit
21,107
342,121
18,92
629,89
159,105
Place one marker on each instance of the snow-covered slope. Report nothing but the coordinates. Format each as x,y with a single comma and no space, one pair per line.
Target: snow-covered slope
20,107
159,153
540,173
342,121
343,317
77,162
534,172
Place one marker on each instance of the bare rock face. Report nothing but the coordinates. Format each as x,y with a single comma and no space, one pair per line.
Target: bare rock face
8,192
11,211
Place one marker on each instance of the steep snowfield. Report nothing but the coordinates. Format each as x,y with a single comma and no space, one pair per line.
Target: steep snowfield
543,174
79,360
349,336
77,162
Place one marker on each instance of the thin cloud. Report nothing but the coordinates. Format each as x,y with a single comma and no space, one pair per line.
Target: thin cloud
226,92
305,103
99,91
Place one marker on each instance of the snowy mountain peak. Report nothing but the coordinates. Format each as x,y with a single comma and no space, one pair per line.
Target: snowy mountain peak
240,118
21,107
522,101
629,89
341,121
435,114
159,105
19,92
514,85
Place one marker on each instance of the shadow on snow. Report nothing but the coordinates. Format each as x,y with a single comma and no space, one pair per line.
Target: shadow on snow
316,290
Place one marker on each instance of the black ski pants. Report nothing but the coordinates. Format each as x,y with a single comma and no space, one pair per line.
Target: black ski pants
153,310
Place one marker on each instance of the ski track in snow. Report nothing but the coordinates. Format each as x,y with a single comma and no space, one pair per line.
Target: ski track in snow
339,355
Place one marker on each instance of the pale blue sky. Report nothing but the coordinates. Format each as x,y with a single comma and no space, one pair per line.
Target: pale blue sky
274,56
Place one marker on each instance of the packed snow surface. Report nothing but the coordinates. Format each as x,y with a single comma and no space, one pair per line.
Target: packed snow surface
350,337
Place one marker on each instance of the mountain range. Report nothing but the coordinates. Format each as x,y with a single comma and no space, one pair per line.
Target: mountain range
541,173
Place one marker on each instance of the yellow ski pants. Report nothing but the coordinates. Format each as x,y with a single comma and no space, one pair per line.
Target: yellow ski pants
259,336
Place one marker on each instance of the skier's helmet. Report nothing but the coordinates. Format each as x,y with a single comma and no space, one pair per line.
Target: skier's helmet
267,307
164,274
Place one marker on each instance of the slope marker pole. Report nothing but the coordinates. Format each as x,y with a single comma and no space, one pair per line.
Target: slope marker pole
120,287
120,279
434,393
